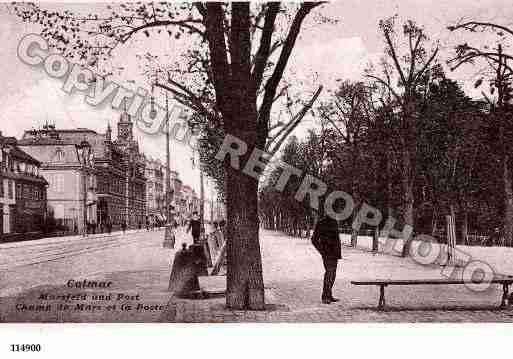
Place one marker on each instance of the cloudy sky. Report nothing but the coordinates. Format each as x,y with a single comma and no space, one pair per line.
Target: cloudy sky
324,53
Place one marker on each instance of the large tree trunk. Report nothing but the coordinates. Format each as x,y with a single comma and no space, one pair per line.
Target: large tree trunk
245,286
407,183
464,222
408,199
354,232
508,202
434,220
356,198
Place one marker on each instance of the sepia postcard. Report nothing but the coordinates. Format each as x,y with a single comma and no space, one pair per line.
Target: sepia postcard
256,162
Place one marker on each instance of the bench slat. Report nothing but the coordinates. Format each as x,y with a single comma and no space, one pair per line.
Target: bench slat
422,281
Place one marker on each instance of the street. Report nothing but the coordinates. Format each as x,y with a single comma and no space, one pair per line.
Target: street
30,267
54,261
134,271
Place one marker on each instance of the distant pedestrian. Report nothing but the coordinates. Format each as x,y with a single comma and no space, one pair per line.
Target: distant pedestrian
195,227
123,227
326,240
88,228
495,238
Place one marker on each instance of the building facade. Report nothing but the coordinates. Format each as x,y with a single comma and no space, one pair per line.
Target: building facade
65,174
155,195
133,164
22,190
116,187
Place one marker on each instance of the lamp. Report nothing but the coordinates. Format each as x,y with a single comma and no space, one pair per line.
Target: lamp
83,154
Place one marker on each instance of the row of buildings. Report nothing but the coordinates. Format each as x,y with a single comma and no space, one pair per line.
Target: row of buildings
22,189
116,185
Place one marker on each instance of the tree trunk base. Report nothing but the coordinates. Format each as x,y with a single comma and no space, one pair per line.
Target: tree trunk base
245,298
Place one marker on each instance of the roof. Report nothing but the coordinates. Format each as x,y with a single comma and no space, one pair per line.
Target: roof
17,152
80,129
41,142
66,137
48,154
8,140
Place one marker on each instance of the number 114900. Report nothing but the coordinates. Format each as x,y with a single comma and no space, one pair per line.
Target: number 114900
25,347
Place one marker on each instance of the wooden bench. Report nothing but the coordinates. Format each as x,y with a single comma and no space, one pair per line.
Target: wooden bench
382,283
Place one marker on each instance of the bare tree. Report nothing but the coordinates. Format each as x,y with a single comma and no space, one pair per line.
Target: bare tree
245,49
499,99
349,110
412,71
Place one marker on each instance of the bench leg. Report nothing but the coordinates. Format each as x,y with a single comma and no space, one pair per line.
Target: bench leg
505,294
381,303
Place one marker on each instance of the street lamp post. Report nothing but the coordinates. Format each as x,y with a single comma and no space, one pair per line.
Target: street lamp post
83,154
169,231
195,152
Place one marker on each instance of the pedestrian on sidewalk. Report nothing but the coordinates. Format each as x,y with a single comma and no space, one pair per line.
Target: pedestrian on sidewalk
195,227
327,242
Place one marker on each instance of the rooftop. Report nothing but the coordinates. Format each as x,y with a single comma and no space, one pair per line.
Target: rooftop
15,151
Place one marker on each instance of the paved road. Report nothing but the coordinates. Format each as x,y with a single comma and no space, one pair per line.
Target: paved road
136,263
25,265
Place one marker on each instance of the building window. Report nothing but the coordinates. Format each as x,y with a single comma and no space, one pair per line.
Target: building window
59,155
26,191
59,183
19,192
59,211
10,189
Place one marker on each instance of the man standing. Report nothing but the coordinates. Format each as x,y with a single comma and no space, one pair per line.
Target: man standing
326,240
195,227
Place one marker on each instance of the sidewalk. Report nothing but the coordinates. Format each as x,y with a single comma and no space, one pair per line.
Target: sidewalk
293,278
499,258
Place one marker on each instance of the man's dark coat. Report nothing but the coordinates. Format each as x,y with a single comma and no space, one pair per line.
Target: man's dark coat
326,240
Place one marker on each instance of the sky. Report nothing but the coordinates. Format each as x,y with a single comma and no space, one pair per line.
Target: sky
324,53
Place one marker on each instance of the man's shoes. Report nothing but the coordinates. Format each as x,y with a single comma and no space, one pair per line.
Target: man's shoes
326,301
334,299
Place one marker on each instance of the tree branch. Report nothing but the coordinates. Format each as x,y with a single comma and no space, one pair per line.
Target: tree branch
215,32
394,56
472,25
273,82
287,129
264,49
